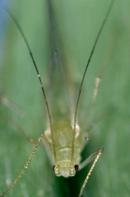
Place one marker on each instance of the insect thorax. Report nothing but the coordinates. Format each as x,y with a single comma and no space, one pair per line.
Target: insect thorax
67,156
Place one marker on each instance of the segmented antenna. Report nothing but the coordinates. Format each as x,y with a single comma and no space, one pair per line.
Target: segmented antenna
35,66
88,63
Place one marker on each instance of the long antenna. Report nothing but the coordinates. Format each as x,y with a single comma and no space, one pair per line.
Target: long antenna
35,66
88,63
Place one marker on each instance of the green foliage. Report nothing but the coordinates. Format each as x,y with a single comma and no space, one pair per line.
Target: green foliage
78,22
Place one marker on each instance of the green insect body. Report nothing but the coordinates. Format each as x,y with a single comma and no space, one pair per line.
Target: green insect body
66,164
63,138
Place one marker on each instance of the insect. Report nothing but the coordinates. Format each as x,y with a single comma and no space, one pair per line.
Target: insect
63,137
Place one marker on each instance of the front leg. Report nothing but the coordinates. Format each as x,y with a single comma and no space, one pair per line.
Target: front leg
93,157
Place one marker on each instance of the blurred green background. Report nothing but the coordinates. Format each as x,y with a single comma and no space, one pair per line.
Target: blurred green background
79,22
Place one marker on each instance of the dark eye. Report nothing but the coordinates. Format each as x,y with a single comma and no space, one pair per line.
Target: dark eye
53,167
76,167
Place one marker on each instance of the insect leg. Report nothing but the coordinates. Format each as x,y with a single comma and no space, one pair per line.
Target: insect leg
24,168
89,159
96,89
96,157
13,106
107,58
4,100
23,132
104,65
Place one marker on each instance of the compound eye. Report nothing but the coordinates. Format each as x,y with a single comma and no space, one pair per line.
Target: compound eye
53,167
76,167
